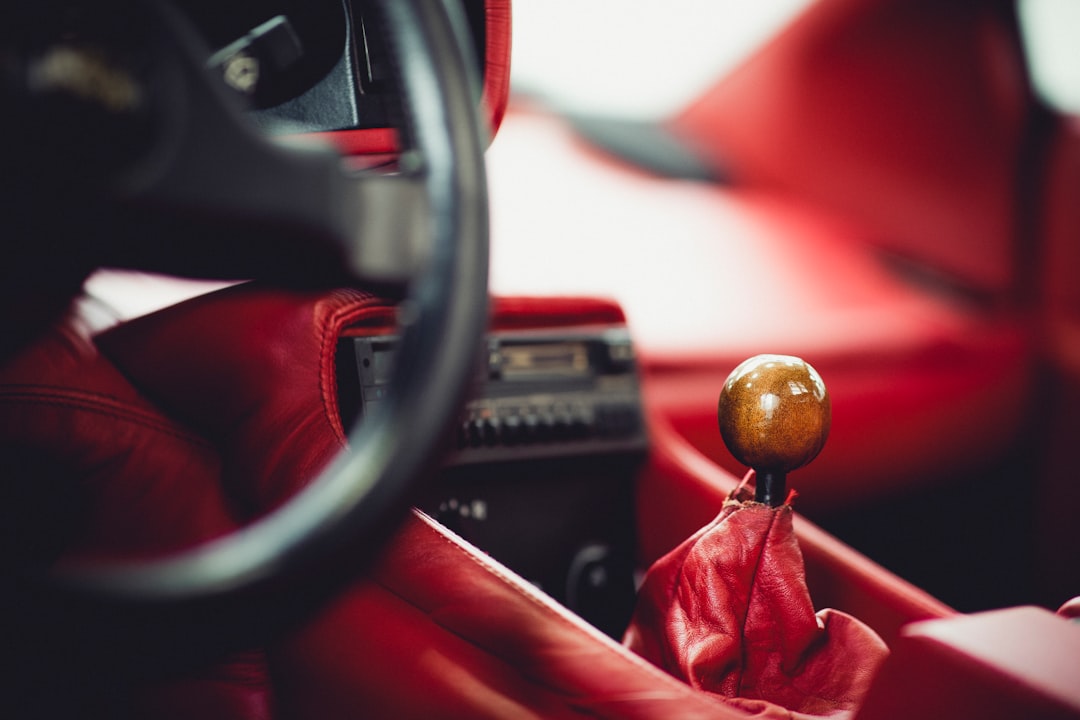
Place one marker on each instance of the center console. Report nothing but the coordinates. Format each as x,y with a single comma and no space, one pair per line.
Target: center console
546,454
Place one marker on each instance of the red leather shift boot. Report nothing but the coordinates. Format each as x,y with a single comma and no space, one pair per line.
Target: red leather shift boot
728,611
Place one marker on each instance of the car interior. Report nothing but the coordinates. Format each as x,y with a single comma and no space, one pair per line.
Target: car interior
345,376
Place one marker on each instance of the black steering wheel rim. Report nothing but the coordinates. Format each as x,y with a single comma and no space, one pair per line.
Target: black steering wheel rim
204,597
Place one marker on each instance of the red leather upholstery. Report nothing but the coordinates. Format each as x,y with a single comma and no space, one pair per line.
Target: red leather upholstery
140,417
253,370
999,665
75,426
438,630
156,484
236,688
681,489
901,115
178,427
728,612
1071,609
443,631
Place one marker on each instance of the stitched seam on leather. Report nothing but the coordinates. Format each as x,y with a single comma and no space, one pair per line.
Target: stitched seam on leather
48,388
746,614
558,612
572,701
354,305
97,404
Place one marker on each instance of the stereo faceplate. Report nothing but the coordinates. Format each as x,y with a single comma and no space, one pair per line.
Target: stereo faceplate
538,394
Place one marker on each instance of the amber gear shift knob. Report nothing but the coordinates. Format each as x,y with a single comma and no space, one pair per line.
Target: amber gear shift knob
774,415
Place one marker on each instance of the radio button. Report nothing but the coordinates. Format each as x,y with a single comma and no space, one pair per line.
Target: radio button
512,431
545,427
491,431
530,425
580,428
476,432
616,420
562,426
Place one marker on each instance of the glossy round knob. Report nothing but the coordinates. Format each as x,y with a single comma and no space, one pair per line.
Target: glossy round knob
774,415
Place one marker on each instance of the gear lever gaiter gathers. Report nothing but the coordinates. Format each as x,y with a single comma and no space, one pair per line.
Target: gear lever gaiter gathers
728,611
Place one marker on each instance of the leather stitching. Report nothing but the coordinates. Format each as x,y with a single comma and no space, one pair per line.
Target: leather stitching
103,405
514,583
351,306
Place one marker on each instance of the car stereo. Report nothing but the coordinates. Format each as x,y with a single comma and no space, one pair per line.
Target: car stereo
547,451
538,394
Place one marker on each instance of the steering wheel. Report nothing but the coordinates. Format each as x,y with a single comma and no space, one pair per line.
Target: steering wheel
202,186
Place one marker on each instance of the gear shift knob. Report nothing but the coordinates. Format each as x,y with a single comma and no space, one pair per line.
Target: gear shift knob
774,416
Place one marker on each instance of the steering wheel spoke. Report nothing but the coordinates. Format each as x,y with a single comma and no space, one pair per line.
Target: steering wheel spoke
393,228
222,200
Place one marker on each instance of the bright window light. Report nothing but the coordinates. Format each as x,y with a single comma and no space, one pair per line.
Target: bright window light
1052,39
635,59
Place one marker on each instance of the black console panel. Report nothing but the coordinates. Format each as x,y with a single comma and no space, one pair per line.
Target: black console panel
547,450
566,525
